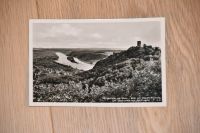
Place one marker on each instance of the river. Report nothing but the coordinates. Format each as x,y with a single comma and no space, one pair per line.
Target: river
62,59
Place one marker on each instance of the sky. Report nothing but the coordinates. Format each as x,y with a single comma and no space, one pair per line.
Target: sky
120,35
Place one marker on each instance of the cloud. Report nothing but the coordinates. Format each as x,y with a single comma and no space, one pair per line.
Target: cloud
54,31
96,36
116,35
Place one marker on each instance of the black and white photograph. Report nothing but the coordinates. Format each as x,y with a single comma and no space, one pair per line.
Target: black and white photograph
97,62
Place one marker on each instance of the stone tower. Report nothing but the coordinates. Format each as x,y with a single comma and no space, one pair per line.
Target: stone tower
138,43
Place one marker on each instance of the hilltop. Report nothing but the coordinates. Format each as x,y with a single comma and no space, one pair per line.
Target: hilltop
135,52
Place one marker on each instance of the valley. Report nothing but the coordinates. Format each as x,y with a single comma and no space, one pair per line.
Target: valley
97,75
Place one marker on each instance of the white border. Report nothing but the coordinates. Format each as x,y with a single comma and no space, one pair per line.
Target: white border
139,104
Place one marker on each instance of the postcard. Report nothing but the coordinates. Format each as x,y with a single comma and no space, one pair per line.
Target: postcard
97,62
